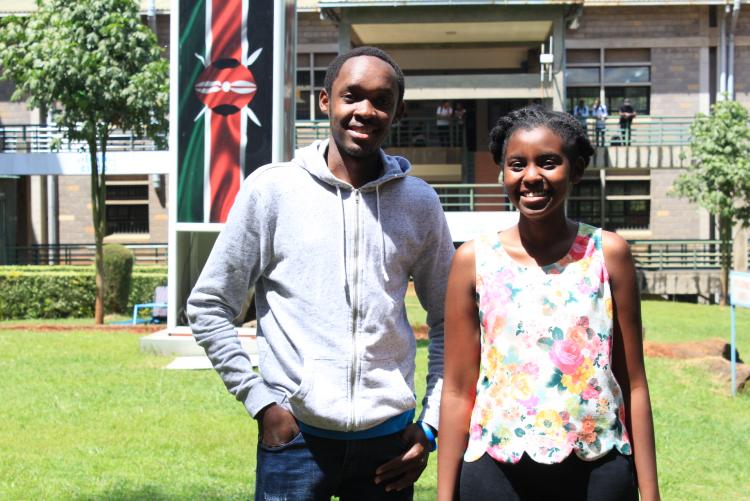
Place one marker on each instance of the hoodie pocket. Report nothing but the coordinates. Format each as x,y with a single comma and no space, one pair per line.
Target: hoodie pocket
383,392
322,397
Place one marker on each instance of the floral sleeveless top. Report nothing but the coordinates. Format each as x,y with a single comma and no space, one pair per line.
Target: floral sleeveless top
545,383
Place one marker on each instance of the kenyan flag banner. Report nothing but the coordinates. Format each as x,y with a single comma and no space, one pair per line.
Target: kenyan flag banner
225,58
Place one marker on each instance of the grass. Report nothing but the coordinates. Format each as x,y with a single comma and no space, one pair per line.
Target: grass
85,415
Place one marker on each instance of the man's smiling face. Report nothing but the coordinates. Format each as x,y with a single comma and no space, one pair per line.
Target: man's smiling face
362,105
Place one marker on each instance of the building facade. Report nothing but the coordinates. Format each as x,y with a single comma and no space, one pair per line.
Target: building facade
670,59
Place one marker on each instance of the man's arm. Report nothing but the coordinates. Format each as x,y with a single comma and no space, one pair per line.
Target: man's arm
235,263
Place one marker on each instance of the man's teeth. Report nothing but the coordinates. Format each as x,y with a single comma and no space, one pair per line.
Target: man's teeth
534,194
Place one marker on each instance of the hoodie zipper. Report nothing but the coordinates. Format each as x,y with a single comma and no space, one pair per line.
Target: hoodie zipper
355,311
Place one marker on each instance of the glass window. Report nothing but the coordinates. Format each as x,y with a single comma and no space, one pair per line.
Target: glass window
640,99
582,56
574,94
577,76
586,211
127,218
627,214
628,188
627,56
627,74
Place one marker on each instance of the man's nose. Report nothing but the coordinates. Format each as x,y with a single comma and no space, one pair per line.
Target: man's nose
365,108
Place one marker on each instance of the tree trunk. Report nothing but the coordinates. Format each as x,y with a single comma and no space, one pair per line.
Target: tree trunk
725,234
98,219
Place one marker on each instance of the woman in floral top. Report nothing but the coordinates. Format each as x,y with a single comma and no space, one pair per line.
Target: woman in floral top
545,391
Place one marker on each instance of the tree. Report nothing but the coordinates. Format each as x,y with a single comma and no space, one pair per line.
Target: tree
101,68
718,177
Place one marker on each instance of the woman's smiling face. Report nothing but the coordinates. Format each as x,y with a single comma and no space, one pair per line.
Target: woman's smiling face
537,173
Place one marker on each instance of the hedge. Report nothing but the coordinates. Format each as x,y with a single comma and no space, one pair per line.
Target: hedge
118,268
64,291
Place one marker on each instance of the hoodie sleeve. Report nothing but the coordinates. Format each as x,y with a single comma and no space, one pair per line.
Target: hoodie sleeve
238,258
430,274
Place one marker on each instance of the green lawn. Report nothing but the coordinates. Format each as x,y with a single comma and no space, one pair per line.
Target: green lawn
85,415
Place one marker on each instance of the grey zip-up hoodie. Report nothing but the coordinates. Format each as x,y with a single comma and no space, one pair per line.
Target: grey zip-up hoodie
331,266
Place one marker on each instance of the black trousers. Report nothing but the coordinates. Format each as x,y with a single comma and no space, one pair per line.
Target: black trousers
609,478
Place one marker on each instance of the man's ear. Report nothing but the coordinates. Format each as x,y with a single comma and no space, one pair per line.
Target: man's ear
323,101
400,107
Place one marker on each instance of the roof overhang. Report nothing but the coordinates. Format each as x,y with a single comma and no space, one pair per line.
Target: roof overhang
452,33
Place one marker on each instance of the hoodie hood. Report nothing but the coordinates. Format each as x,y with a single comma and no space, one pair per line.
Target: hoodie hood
312,158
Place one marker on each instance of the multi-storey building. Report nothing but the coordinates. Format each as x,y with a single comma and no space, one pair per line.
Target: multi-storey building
670,58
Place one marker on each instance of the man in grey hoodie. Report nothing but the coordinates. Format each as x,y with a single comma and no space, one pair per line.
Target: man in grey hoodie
330,240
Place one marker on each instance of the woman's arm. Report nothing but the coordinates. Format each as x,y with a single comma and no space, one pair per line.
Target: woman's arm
627,361
462,353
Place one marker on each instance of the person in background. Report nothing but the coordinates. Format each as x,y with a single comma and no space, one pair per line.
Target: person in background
582,113
627,114
444,115
600,113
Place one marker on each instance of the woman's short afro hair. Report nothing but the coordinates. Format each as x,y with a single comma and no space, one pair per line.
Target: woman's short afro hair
575,140
335,67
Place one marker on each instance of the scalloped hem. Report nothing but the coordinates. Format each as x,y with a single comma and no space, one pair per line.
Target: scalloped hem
623,448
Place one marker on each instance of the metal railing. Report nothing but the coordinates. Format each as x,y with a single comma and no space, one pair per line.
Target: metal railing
472,197
81,254
643,131
676,254
49,138
648,254
408,132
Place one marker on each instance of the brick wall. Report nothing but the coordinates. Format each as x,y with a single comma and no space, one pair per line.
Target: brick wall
639,22
75,214
675,81
672,217
313,30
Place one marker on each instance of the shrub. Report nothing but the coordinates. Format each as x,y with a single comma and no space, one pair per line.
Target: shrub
65,291
29,294
118,270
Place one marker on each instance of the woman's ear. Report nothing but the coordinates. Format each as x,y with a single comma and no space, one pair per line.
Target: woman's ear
576,170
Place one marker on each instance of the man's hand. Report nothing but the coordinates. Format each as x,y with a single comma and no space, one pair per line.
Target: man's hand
405,469
277,426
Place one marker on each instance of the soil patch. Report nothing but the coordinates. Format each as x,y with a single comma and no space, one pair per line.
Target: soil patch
135,329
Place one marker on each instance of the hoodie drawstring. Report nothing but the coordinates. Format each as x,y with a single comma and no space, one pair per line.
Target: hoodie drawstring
382,235
344,278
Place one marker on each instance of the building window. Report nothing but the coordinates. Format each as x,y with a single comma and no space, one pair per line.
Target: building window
311,72
614,74
127,204
626,198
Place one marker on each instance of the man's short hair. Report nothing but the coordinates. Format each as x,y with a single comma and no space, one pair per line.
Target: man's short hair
335,67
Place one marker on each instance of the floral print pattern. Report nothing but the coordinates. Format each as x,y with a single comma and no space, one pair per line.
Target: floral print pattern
545,384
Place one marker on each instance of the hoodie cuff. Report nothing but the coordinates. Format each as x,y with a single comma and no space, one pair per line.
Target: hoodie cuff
431,415
261,398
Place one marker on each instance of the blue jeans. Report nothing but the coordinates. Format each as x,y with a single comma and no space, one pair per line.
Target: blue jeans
311,468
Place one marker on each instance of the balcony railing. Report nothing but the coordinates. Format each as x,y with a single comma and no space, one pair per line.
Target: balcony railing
49,138
409,132
644,131
648,254
676,254
81,254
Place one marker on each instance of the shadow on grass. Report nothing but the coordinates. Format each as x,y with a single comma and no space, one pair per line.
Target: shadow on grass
422,343
125,492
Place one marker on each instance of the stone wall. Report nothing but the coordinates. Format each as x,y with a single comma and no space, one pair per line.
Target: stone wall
673,217
74,202
615,23
675,81
313,30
